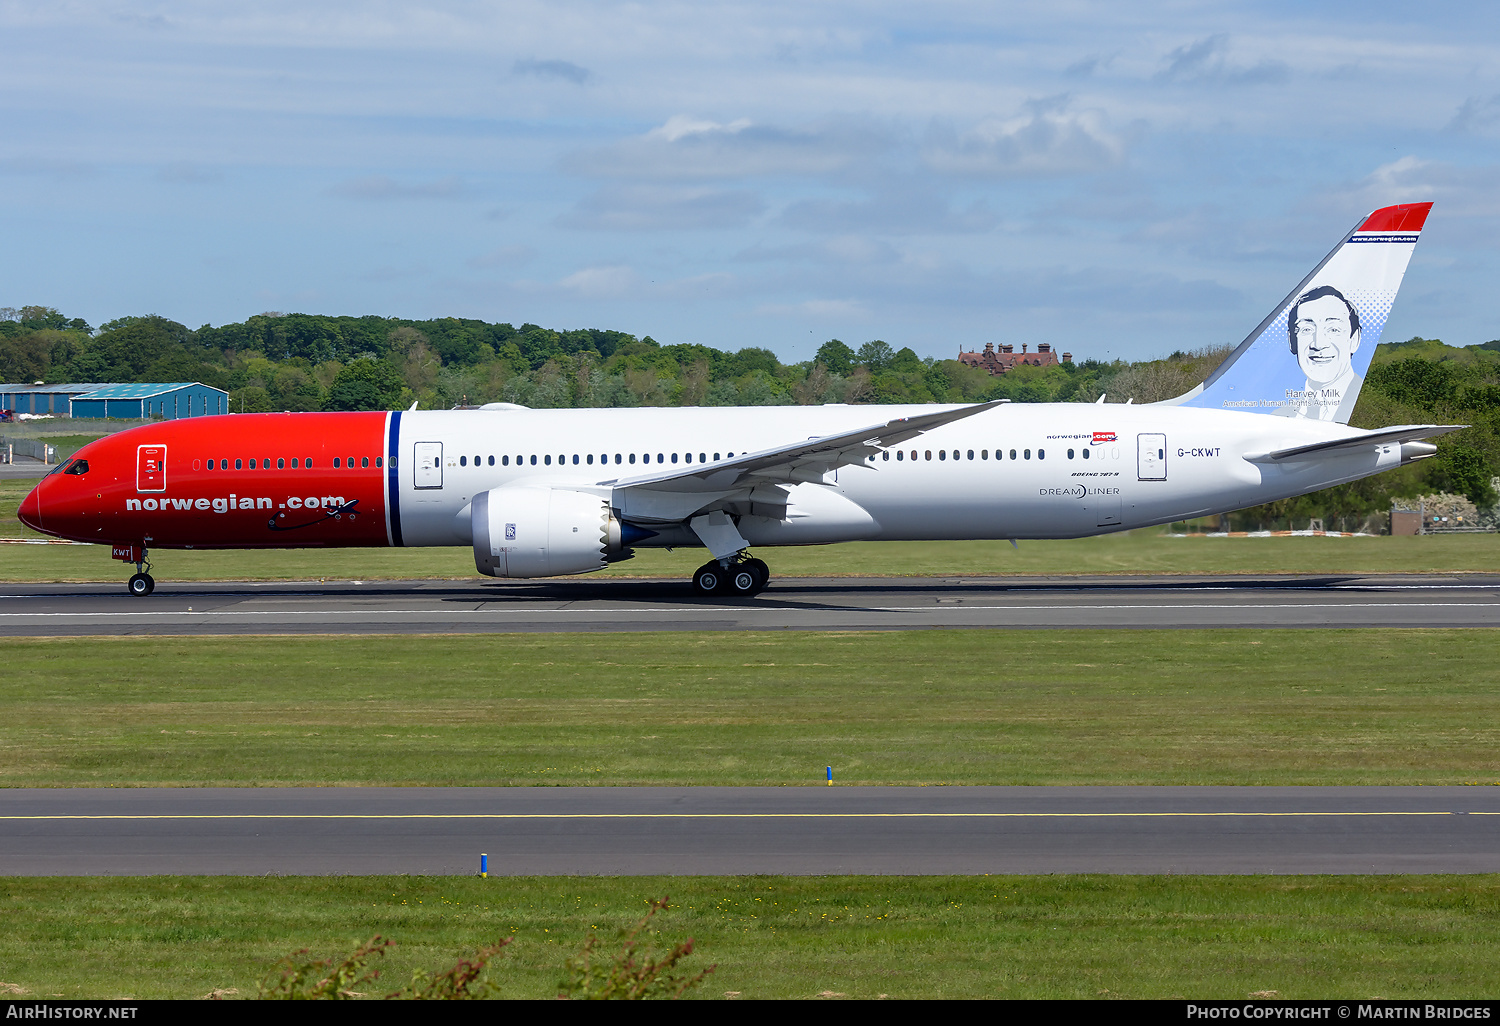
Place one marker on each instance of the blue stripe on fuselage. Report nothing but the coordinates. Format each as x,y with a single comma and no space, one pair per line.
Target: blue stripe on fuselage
393,479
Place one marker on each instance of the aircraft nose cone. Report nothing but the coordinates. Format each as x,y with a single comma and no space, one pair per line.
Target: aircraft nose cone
31,509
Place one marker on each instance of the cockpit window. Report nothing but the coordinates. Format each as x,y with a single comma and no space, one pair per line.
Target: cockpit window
77,467
60,468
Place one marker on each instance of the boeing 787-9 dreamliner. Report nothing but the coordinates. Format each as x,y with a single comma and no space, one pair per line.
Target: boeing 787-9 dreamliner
538,493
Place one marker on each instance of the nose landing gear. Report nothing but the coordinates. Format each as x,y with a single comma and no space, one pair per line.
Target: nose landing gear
141,582
742,576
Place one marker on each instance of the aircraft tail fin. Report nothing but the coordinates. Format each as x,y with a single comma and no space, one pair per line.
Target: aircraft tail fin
1308,358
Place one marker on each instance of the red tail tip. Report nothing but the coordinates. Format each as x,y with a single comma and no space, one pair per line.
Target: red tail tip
1403,217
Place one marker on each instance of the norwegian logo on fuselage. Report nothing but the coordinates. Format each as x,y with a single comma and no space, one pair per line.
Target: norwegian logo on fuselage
1101,437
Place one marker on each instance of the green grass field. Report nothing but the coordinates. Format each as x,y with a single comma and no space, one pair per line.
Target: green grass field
782,937
930,707
919,707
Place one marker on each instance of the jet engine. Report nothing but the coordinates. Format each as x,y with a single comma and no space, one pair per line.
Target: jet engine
541,532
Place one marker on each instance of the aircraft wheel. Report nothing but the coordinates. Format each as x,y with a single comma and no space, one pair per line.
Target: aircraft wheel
743,580
141,585
709,579
762,573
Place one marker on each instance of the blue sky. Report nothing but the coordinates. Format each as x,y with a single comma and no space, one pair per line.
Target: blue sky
1117,182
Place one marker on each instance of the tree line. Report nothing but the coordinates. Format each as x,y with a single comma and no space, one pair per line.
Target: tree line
297,362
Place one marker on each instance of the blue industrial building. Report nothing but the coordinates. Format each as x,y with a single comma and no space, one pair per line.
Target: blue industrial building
168,401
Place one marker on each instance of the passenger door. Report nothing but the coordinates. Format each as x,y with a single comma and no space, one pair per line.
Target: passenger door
1151,457
427,465
151,468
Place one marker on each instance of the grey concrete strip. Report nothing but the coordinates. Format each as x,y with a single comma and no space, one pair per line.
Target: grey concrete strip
605,605
812,830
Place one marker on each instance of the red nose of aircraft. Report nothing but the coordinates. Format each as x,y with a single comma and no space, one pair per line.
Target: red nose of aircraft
31,509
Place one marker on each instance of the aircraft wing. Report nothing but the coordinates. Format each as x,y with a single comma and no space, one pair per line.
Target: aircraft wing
1385,436
807,460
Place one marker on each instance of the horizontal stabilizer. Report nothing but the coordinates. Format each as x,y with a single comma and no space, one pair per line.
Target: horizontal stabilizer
1386,436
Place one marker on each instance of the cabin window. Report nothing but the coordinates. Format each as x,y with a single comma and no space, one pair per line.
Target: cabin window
662,459
1028,454
886,456
210,464
575,459
280,463
942,454
591,459
1085,454
307,462
378,460
674,458
702,457
533,461
463,461
900,455
632,457
505,461
617,458
929,454
1041,454
716,457
984,454
971,454
335,463
1013,454
1070,454
492,461
547,459
238,465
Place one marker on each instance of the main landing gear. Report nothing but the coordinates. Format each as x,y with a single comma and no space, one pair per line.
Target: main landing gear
141,582
742,576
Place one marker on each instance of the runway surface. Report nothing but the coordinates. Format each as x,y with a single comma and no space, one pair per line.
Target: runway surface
627,831
483,606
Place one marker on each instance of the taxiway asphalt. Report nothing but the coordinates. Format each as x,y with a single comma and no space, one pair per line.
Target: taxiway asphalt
710,830
602,605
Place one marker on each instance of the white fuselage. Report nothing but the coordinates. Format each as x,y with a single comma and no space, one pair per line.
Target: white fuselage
1055,470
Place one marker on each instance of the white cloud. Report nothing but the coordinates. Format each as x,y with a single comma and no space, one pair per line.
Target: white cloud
691,148
1046,140
612,282
1208,60
1455,190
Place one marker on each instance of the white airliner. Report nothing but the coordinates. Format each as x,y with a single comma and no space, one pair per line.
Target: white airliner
538,493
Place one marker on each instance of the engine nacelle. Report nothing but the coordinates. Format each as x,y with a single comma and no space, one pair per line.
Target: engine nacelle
541,532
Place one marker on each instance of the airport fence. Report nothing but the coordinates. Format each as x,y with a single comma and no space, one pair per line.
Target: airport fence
27,450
